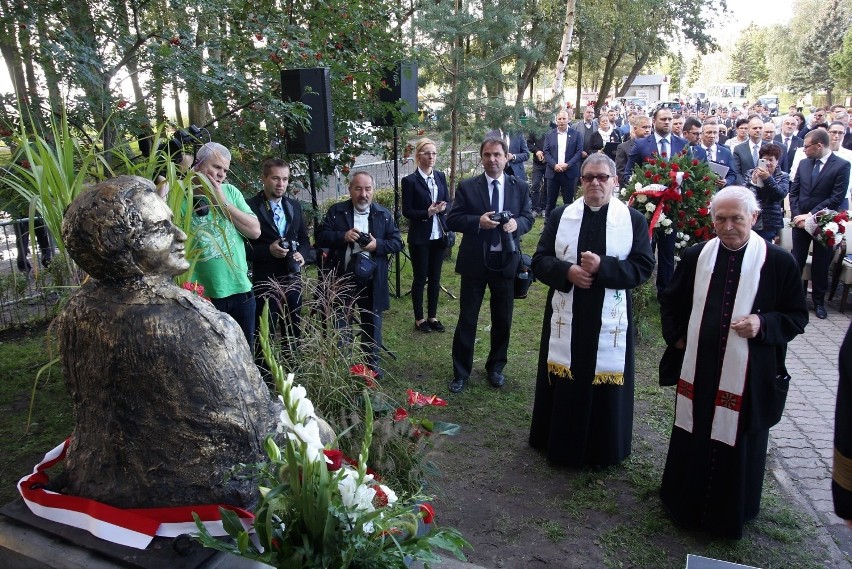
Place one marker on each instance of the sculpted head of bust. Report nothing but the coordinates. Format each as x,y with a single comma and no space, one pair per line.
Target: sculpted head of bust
121,229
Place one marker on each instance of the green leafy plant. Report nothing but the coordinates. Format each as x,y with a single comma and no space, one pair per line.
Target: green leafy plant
318,508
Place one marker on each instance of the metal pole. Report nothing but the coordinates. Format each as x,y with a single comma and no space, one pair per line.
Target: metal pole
396,201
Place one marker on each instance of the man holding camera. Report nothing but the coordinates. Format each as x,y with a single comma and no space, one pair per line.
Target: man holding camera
360,235
281,250
492,210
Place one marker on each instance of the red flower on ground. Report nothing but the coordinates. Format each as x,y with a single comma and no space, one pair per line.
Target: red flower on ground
362,371
416,399
380,500
428,512
399,415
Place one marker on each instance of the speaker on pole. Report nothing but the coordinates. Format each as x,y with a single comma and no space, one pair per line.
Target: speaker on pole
313,88
401,91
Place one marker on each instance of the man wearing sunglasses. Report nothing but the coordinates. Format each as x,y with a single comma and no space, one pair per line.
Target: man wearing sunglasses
592,252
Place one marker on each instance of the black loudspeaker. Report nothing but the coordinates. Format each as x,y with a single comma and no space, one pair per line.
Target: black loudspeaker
313,88
401,90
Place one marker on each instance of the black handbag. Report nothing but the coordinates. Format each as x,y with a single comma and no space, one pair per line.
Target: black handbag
448,237
524,278
362,267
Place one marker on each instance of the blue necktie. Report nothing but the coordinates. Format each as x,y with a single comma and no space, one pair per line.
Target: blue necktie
495,207
663,143
754,154
278,217
815,172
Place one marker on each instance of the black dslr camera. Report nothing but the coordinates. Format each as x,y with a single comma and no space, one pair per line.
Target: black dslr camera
293,266
363,239
503,218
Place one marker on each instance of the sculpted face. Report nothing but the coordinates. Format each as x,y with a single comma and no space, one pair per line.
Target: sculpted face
160,248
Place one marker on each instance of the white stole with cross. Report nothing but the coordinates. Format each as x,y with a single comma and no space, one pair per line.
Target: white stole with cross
735,363
612,340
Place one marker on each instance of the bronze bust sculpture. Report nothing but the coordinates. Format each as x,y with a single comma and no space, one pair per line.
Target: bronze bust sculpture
165,393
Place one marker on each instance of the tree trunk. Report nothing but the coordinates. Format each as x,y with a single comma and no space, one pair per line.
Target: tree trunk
611,64
197,104
45,60
579,75
634,71
11,53
562,60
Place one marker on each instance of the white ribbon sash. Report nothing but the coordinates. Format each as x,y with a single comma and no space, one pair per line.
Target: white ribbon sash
131,527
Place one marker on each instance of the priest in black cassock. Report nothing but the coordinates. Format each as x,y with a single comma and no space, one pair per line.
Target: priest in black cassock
731,308
841,473
591,253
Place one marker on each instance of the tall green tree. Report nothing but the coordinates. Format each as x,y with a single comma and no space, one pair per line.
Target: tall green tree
813,59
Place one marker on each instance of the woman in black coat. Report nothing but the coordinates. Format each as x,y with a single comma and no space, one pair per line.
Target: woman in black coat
770,185
606,133
424,204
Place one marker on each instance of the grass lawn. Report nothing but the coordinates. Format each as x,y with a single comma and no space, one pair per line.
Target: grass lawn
515,509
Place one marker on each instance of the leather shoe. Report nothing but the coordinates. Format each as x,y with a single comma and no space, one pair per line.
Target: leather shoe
496,379
819,310
436,326
423,327
456,385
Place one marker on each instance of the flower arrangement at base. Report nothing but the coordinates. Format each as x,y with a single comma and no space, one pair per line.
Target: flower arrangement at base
828,227
674,196
319,508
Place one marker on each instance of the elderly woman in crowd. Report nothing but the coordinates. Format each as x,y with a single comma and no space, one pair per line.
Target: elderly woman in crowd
606,133
424,203
770,185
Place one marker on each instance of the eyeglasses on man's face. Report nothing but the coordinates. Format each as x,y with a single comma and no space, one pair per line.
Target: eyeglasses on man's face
588,178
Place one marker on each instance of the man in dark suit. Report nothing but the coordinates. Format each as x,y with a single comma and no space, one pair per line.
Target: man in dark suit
663,143
518,152
821,183
538,189
341,232
788,141
280,251
718,153
485,258
745,154
562,151
585,129
640,128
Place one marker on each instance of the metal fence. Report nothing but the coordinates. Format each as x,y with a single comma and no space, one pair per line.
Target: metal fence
29,275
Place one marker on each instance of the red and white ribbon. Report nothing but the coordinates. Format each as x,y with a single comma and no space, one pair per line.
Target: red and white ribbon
130,527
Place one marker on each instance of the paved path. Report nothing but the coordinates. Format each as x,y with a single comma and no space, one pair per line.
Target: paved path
802,443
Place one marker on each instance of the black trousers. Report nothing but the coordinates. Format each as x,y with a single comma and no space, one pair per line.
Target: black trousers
502,303
285,307
560,184
820,261
538,190
426,261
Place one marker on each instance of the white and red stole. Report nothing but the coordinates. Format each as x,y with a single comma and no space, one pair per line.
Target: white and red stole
729,397
612,340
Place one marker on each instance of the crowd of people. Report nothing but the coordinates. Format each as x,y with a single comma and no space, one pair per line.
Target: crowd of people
728,307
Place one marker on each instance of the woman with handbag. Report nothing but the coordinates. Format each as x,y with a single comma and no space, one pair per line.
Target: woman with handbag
424,204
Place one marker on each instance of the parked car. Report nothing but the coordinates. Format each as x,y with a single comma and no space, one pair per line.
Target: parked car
675,106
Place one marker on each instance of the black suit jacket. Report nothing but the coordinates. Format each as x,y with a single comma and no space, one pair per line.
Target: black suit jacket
786,160
338,220
471,201
416,199
780,302
573,153
828,190
264,265
621,154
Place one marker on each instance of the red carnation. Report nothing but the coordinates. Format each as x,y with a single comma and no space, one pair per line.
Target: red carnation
675,167
692,222
651,161
681,214
694,162
686,175
703,211
648,174
663,164
688,193
428,512
706,178
680,225
656,178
